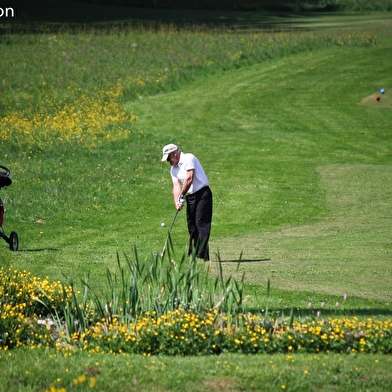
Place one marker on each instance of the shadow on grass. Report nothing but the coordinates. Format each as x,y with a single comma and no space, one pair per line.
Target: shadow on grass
39,250
300,313
245,261
371,312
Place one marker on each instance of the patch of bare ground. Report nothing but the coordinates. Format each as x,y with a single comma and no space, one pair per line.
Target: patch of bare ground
381,101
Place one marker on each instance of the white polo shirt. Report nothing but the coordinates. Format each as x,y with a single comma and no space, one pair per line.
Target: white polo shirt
189,162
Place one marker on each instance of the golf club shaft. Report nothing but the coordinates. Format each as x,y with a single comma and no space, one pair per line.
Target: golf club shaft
168,233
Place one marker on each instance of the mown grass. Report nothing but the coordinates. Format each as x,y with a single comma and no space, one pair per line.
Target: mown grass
296,151
76,371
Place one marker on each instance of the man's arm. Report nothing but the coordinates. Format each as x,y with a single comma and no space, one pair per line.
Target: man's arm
188,181
177,190
176,193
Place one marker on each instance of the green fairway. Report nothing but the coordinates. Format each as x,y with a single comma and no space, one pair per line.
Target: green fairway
301,167
296,146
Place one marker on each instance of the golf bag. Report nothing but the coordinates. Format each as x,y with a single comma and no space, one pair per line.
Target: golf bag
12,240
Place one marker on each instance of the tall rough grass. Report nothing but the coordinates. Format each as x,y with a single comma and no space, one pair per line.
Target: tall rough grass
269,5
160,286
366,5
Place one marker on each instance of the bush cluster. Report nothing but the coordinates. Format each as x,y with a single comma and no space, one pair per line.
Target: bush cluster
22,304
183,333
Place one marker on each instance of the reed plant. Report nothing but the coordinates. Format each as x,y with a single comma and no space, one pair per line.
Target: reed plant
153,286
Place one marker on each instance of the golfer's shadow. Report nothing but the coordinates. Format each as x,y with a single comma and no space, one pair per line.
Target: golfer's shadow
245,261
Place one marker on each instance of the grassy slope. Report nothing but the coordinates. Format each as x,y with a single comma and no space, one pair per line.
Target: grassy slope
281,142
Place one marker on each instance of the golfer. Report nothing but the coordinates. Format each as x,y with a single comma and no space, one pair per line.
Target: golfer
190,183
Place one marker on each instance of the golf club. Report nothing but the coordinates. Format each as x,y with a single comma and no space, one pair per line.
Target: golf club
168,235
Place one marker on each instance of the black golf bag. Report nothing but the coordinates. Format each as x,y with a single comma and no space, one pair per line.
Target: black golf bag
12,240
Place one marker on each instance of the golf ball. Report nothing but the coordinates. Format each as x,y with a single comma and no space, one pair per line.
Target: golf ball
163,224
382,91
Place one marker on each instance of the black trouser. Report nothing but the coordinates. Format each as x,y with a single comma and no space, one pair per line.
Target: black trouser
199,216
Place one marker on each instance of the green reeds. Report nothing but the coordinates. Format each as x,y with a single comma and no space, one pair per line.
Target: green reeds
154,286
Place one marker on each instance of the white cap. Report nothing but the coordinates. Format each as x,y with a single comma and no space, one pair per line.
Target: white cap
169,148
